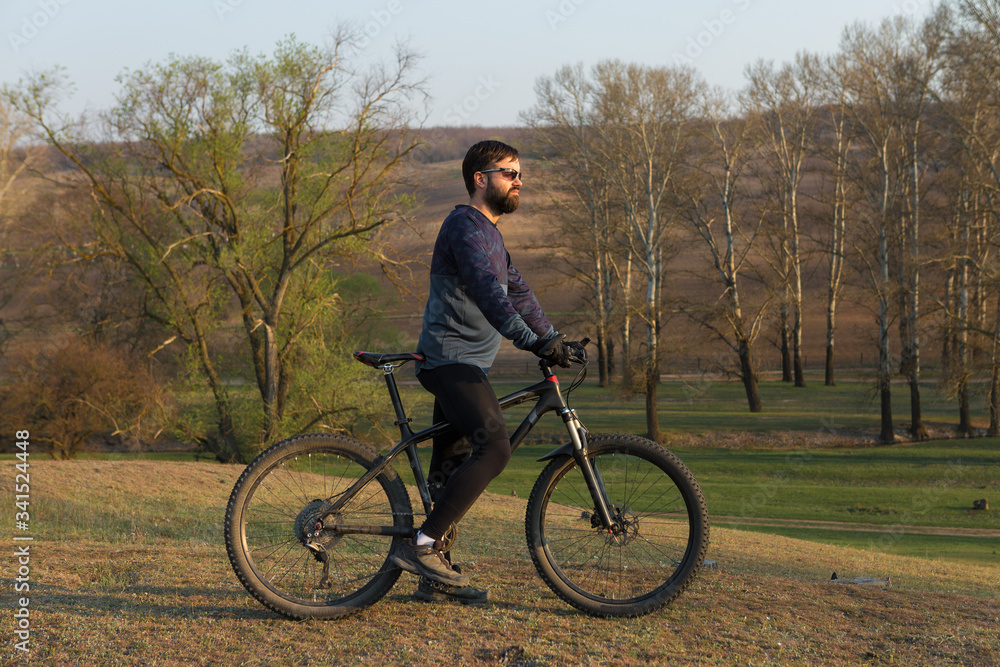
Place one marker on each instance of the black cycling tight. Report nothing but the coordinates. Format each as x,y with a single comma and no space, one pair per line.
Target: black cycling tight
463,396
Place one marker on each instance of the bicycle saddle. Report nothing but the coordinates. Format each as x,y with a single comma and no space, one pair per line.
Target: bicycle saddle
377,359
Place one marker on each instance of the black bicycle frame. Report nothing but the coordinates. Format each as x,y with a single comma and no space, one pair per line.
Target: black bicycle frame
549,398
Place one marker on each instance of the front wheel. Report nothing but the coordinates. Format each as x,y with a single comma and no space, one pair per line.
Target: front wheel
291,552
657,542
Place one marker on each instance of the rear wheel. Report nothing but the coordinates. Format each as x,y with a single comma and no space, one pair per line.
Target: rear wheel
659,534
292,559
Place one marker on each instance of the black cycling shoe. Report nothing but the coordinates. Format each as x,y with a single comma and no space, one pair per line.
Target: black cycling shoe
432,591
428,561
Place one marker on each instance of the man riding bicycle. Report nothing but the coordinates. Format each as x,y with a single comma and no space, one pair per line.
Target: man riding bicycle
476,298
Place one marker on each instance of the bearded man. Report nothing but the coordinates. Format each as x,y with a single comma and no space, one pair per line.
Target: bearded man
476,299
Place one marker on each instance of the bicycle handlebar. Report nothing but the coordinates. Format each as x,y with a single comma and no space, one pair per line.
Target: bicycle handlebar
546,366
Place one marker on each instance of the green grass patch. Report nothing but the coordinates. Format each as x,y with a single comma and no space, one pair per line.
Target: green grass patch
933,483
901,488
976,550
713,407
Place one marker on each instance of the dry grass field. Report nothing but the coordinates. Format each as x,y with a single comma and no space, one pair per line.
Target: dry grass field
128,568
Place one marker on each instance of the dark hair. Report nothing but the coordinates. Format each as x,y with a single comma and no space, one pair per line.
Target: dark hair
481,156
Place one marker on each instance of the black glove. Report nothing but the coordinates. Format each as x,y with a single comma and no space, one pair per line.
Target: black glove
552,349
578,348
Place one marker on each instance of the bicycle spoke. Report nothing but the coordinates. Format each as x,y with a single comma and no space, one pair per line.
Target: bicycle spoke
646,557
277,506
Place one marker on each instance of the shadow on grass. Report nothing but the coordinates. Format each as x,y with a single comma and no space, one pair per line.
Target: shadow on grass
549,604
218,604
59,599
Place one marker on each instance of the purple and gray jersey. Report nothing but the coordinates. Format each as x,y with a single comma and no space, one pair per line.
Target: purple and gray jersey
476,296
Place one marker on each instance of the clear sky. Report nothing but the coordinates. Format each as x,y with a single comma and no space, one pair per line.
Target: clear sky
480,59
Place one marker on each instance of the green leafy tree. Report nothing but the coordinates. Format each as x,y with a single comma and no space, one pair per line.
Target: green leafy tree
228,191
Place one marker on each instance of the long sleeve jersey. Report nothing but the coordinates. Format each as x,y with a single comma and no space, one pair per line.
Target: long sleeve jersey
476,296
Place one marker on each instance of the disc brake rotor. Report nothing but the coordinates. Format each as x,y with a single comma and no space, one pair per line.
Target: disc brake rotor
626,526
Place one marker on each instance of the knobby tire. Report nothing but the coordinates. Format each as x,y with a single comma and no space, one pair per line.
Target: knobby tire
662,528
276,500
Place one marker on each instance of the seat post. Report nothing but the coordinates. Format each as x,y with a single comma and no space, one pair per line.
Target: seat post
402,421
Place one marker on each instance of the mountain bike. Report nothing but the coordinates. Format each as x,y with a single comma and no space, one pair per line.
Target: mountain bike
616,525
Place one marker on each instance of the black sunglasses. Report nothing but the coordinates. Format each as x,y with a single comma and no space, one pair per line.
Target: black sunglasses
512,174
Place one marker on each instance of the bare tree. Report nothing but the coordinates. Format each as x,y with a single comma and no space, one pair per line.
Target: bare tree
592,222
642,116
916,72
833,121
885,102
784,104
714,209
972,102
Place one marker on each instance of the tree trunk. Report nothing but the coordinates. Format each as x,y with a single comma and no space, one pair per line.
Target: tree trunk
796,290
886,434
601,295
948,327
962,329
627,325
917,428
912,281
964,418
273,400
831,316
837,229
652,419
749,377
962,384
228,449
797,361
603,363
224,445
786,349
654,274
994,428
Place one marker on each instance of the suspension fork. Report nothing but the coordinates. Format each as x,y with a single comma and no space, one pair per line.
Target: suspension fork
598,492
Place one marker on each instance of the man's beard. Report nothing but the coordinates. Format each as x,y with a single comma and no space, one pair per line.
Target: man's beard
500,203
